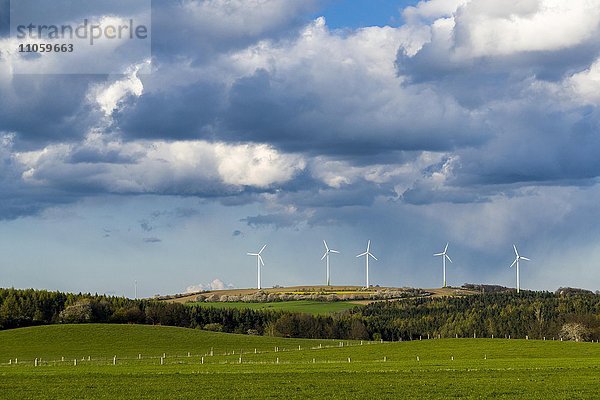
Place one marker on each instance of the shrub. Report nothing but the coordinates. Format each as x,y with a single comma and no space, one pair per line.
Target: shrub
213,327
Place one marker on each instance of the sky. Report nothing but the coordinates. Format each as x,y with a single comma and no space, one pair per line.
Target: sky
410,124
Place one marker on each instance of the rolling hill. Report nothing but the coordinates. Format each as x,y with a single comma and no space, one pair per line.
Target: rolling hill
289,368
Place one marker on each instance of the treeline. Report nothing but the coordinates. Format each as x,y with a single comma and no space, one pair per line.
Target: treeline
570,315
529,314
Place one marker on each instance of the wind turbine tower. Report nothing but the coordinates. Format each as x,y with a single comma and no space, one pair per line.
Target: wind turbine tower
444,255
516,262
259,261
326,257
367,254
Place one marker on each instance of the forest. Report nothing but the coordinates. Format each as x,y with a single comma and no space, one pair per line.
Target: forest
566,314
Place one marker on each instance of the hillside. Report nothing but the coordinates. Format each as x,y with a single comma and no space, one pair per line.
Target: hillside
570,315
106,340
290,368
343,292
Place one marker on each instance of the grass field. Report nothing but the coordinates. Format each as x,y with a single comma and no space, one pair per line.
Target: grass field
303,306
431,369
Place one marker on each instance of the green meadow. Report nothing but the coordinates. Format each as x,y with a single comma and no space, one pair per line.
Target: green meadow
225,366
301,306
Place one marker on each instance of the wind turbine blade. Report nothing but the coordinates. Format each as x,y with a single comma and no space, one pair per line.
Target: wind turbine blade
514,262
369,254
334,251
252,254
261,250
448,257
362,254
261,260
326,247
438,254
446,248
324,255
524,258
516,252
368,245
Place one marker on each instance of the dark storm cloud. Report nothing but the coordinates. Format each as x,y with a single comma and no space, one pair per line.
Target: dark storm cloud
43,109
262,109
475,82
200,30
535,144
182,112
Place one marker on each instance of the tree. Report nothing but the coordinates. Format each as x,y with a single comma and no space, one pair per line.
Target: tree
79,312
574,331
358,330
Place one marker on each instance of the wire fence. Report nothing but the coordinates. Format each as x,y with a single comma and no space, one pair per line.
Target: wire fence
220,357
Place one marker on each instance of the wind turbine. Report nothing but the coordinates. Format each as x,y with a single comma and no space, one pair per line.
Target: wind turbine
517,259
367,254
135,289
444,255
259,261
326,256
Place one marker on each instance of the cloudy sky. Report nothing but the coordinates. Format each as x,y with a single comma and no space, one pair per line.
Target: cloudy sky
282,122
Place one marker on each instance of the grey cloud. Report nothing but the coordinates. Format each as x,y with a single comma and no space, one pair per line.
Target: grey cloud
182,112
45,109
301,119
95,155
146,226
204,29
275,220
4,18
